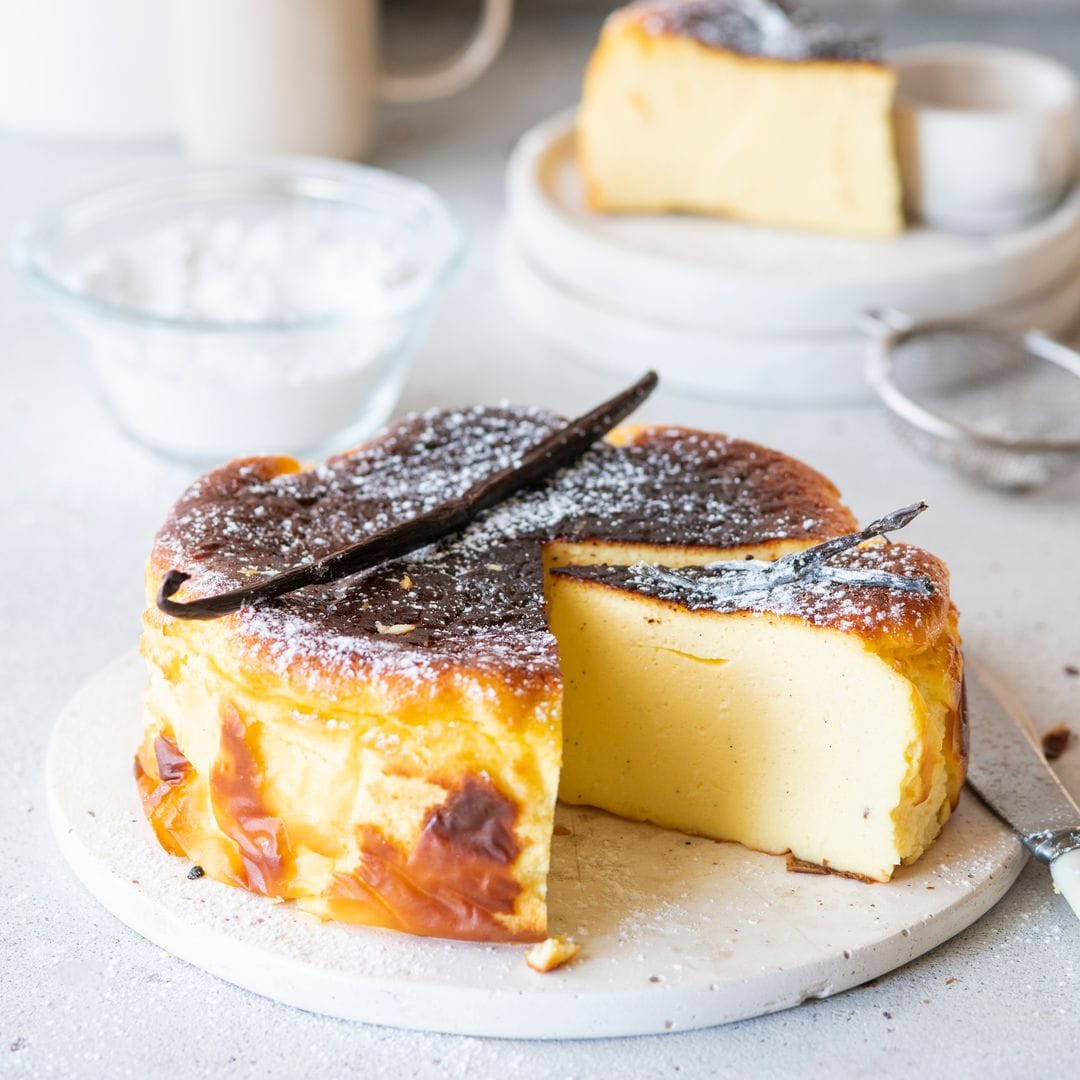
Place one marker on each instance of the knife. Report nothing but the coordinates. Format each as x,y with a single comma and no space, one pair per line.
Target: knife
1010,774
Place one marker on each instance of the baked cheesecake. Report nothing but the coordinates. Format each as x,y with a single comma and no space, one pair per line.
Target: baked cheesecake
740,108
387,749
821,719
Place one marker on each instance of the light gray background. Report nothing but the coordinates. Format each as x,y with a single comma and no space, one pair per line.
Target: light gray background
80,995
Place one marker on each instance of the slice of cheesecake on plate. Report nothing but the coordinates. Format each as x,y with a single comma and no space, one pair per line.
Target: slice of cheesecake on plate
744,109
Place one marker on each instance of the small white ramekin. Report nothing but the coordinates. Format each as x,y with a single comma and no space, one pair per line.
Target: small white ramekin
986,136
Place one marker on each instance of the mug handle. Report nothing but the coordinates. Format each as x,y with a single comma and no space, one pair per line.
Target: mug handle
463,69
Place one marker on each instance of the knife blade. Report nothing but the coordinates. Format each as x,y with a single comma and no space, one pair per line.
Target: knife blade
1007,770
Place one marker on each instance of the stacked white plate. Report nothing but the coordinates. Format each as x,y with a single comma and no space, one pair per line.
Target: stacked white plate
735,310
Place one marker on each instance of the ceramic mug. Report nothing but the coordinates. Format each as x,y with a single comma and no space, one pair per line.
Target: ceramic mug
985,135
300,76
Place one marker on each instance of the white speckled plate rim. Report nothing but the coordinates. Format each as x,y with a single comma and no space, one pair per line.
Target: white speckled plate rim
724,275
677,932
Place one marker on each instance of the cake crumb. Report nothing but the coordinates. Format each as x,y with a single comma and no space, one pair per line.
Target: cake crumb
552,953
1072,669
396,628
1056,741
801,866
406,582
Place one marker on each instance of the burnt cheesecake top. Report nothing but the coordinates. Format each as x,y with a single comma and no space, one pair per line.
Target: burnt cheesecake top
767,28
473,601
908,616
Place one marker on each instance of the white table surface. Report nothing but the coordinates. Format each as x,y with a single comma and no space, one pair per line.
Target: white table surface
80,995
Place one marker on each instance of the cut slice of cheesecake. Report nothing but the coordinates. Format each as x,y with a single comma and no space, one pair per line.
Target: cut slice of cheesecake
822,719
743,109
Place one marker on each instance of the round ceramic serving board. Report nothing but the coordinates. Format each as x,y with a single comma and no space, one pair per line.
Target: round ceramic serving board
776,368
708,272
676,933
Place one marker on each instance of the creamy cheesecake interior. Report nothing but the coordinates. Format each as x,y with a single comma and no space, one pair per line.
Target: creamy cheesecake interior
836,744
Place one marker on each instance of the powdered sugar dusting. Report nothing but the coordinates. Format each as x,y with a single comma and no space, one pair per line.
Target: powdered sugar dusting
864,609
475,601
772,28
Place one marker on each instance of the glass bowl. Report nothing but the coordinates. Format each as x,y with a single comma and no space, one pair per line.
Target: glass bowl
292,377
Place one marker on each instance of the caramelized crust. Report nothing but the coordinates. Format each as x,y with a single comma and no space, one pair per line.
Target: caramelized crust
731,25
161,776
454,883
906,621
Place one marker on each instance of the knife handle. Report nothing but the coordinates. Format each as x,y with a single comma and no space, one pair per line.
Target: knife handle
1065,870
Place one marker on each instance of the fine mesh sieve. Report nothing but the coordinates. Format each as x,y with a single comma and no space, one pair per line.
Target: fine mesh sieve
1002,407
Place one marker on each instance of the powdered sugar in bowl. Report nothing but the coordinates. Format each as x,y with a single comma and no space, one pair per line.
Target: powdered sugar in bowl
265,305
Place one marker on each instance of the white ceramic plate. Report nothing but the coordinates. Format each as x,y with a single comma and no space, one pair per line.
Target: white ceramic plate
775,368
711,273
677,932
